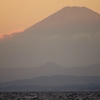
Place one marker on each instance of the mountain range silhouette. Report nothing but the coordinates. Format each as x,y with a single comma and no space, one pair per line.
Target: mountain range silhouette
70,38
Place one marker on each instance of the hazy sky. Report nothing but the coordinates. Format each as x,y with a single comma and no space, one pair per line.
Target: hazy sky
16,15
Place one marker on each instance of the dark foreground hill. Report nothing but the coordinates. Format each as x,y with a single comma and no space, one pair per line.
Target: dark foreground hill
53,83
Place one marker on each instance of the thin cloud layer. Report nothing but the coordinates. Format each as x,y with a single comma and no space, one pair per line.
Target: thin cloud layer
10,34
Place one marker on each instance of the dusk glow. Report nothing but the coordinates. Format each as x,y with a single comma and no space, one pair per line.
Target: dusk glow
9,34
24,13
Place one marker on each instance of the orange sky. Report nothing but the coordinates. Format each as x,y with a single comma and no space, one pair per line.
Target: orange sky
17,14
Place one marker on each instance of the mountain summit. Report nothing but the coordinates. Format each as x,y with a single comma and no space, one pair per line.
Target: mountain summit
74,17
69,37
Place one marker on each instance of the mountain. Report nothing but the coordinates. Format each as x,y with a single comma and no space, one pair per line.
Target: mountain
44,56
60,81
47,69
69,37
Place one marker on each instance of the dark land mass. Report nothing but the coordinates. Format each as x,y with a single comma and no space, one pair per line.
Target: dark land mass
53,83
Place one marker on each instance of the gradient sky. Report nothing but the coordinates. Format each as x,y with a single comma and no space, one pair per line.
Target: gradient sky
18,14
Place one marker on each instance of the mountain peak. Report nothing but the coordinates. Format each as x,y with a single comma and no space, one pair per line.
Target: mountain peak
78,9
71,7
68,16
